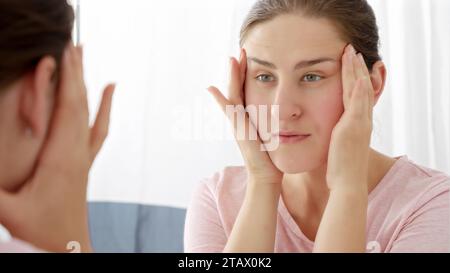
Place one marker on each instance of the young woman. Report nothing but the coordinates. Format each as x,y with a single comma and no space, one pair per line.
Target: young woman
46,145
323,189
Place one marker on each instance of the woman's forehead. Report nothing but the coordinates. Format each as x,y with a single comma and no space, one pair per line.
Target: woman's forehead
289,36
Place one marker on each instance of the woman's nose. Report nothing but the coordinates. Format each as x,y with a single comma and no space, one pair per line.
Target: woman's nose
289,109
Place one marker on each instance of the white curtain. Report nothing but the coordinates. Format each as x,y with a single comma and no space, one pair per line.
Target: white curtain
413,117
167,133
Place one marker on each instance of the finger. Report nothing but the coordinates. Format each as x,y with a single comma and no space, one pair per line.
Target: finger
363,67
6,206
235,86
80,66
99,130
221,100
367,85
79,60
359,72
73,100
66,87
231,111
80,80
359,100
243,70
73,106
348,73
363,73
371,100
247,147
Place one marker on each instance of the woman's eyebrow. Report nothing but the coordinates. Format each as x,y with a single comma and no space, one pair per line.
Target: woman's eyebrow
308,63
261,62
299,65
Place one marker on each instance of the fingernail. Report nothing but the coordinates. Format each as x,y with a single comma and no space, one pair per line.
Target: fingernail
352,49
350,56
361,59
231,65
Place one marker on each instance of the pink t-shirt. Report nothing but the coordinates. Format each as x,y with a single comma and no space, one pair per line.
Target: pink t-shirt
408,211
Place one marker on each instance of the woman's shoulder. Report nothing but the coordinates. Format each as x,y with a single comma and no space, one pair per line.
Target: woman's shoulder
231,180
410,208
216,201
410,183
414,175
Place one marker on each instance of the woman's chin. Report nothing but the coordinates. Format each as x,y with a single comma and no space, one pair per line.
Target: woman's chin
293,165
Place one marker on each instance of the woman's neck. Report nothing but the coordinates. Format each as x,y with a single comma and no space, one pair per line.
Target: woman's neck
308,189
306,194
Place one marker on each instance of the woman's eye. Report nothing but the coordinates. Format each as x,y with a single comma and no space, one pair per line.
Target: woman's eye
312,78
265,78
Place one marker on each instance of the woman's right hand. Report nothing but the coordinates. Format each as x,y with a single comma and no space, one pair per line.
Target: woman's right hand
255,227
258,163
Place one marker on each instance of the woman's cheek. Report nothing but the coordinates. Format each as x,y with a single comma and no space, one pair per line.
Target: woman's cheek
253,95
257,98
327,111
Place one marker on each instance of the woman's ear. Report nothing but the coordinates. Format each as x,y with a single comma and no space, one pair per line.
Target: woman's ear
34,100
378,78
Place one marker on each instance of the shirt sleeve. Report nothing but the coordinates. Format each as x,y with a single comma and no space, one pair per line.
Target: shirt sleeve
428,228
203,227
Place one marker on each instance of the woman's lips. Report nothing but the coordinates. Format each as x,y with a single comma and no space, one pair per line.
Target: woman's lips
289,138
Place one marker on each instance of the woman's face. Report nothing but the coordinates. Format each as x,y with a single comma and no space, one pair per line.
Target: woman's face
295,62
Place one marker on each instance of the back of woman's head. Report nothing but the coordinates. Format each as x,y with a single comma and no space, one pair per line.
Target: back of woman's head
30,30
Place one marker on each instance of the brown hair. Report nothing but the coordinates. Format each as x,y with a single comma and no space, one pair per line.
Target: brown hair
30,30
354,19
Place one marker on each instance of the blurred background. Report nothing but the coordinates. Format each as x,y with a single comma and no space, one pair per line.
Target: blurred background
167,133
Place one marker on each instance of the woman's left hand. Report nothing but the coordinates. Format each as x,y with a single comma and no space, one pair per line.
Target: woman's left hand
50,210
343,224
350,140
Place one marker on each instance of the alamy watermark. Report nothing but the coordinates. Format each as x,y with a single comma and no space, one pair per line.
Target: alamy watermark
251,123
